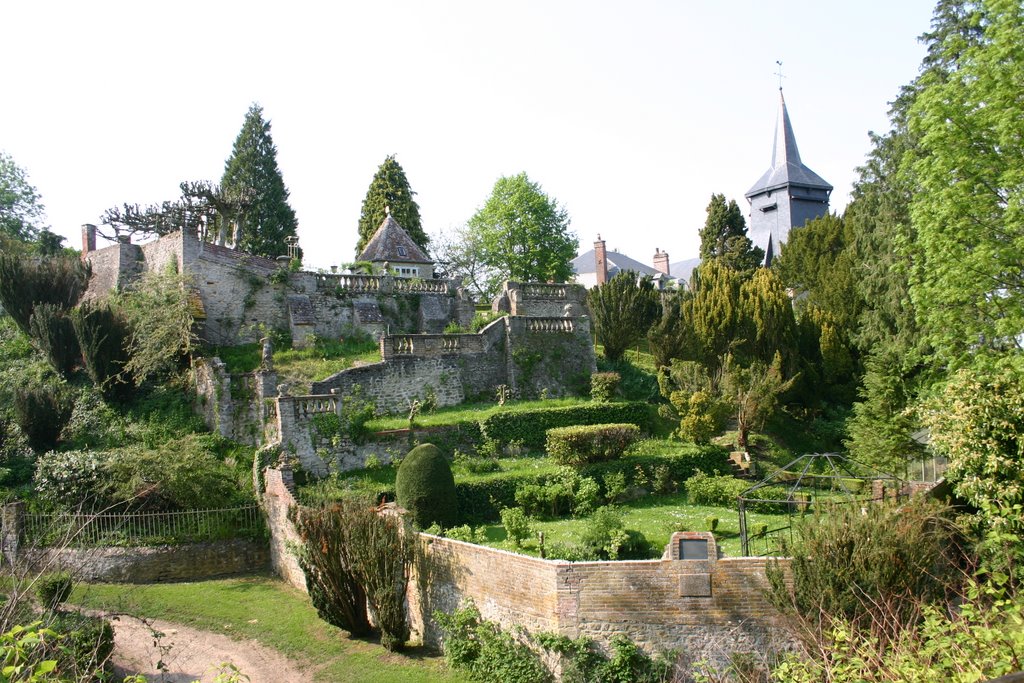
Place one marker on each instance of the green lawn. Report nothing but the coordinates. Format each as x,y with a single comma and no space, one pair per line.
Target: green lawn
276,615
303,366
657,517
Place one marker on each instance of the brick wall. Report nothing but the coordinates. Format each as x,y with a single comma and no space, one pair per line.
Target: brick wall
706,608
278,498
155,564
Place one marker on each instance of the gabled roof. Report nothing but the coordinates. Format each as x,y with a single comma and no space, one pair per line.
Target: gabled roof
392,243
586,263
787,169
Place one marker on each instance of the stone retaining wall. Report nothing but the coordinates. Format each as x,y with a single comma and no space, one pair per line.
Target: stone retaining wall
156,564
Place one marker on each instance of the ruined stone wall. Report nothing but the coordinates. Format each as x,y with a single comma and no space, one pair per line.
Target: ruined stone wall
555,355
241,300
240,407
113,267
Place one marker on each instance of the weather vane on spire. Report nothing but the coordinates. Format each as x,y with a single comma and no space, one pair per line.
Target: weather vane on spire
779,73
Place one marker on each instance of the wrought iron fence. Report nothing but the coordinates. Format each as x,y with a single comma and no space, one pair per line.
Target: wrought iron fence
143,528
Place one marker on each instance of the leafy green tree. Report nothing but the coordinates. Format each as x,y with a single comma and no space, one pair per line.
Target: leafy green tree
390,189
21,208
966,281
754,393
724,236
252,169
977,421
524,233
622,309
460,256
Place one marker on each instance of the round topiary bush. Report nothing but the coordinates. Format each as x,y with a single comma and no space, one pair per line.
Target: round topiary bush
426,488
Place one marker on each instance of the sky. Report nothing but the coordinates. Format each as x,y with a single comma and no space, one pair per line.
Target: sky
629,114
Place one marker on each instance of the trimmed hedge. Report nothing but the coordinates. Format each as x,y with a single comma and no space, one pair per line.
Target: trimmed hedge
582,444
426,488
530,426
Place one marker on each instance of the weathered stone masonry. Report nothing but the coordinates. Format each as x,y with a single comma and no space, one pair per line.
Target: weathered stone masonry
242,296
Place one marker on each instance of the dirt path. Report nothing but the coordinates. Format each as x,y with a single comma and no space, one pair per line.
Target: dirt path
189,654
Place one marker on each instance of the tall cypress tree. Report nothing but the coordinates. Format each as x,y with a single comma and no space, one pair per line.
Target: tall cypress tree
390,188
252,170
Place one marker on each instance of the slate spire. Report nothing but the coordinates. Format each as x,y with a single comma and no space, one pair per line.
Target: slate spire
788,194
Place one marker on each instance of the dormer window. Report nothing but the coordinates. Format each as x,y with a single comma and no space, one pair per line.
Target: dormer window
402,251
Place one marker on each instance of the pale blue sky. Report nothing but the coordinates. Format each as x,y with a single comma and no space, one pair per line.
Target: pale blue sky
631,114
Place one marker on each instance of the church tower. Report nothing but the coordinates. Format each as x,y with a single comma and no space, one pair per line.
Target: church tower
788,195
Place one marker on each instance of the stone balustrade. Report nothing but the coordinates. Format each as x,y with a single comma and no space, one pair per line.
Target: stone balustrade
540,290
305,406
348,283
556,325
417,286
430,345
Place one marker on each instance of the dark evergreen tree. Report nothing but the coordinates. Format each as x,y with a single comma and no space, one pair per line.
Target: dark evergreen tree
724,237
623,309
390,188
252,171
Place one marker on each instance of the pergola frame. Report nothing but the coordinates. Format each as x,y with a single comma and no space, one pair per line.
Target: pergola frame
809,476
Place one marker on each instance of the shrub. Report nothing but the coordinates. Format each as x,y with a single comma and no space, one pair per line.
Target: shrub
530,426
103,336
590,443
83,653
605,537
614,485
873,569
603,386
42,412
426,488
183,474
485,652
52,331
517,525
711,522
331,580
583,661
555,495
702,489
380,553
54,589
27,283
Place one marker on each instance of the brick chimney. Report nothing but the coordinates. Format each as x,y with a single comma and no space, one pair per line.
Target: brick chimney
600,262
88,238
661,261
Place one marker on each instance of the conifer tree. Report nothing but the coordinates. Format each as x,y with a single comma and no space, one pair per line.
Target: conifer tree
390,188
623,309
252,170
724,236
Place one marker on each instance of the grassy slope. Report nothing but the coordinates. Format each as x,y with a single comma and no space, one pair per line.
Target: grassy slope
277,616
303,366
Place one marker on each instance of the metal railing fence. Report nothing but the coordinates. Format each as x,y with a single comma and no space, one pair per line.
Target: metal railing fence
143,528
